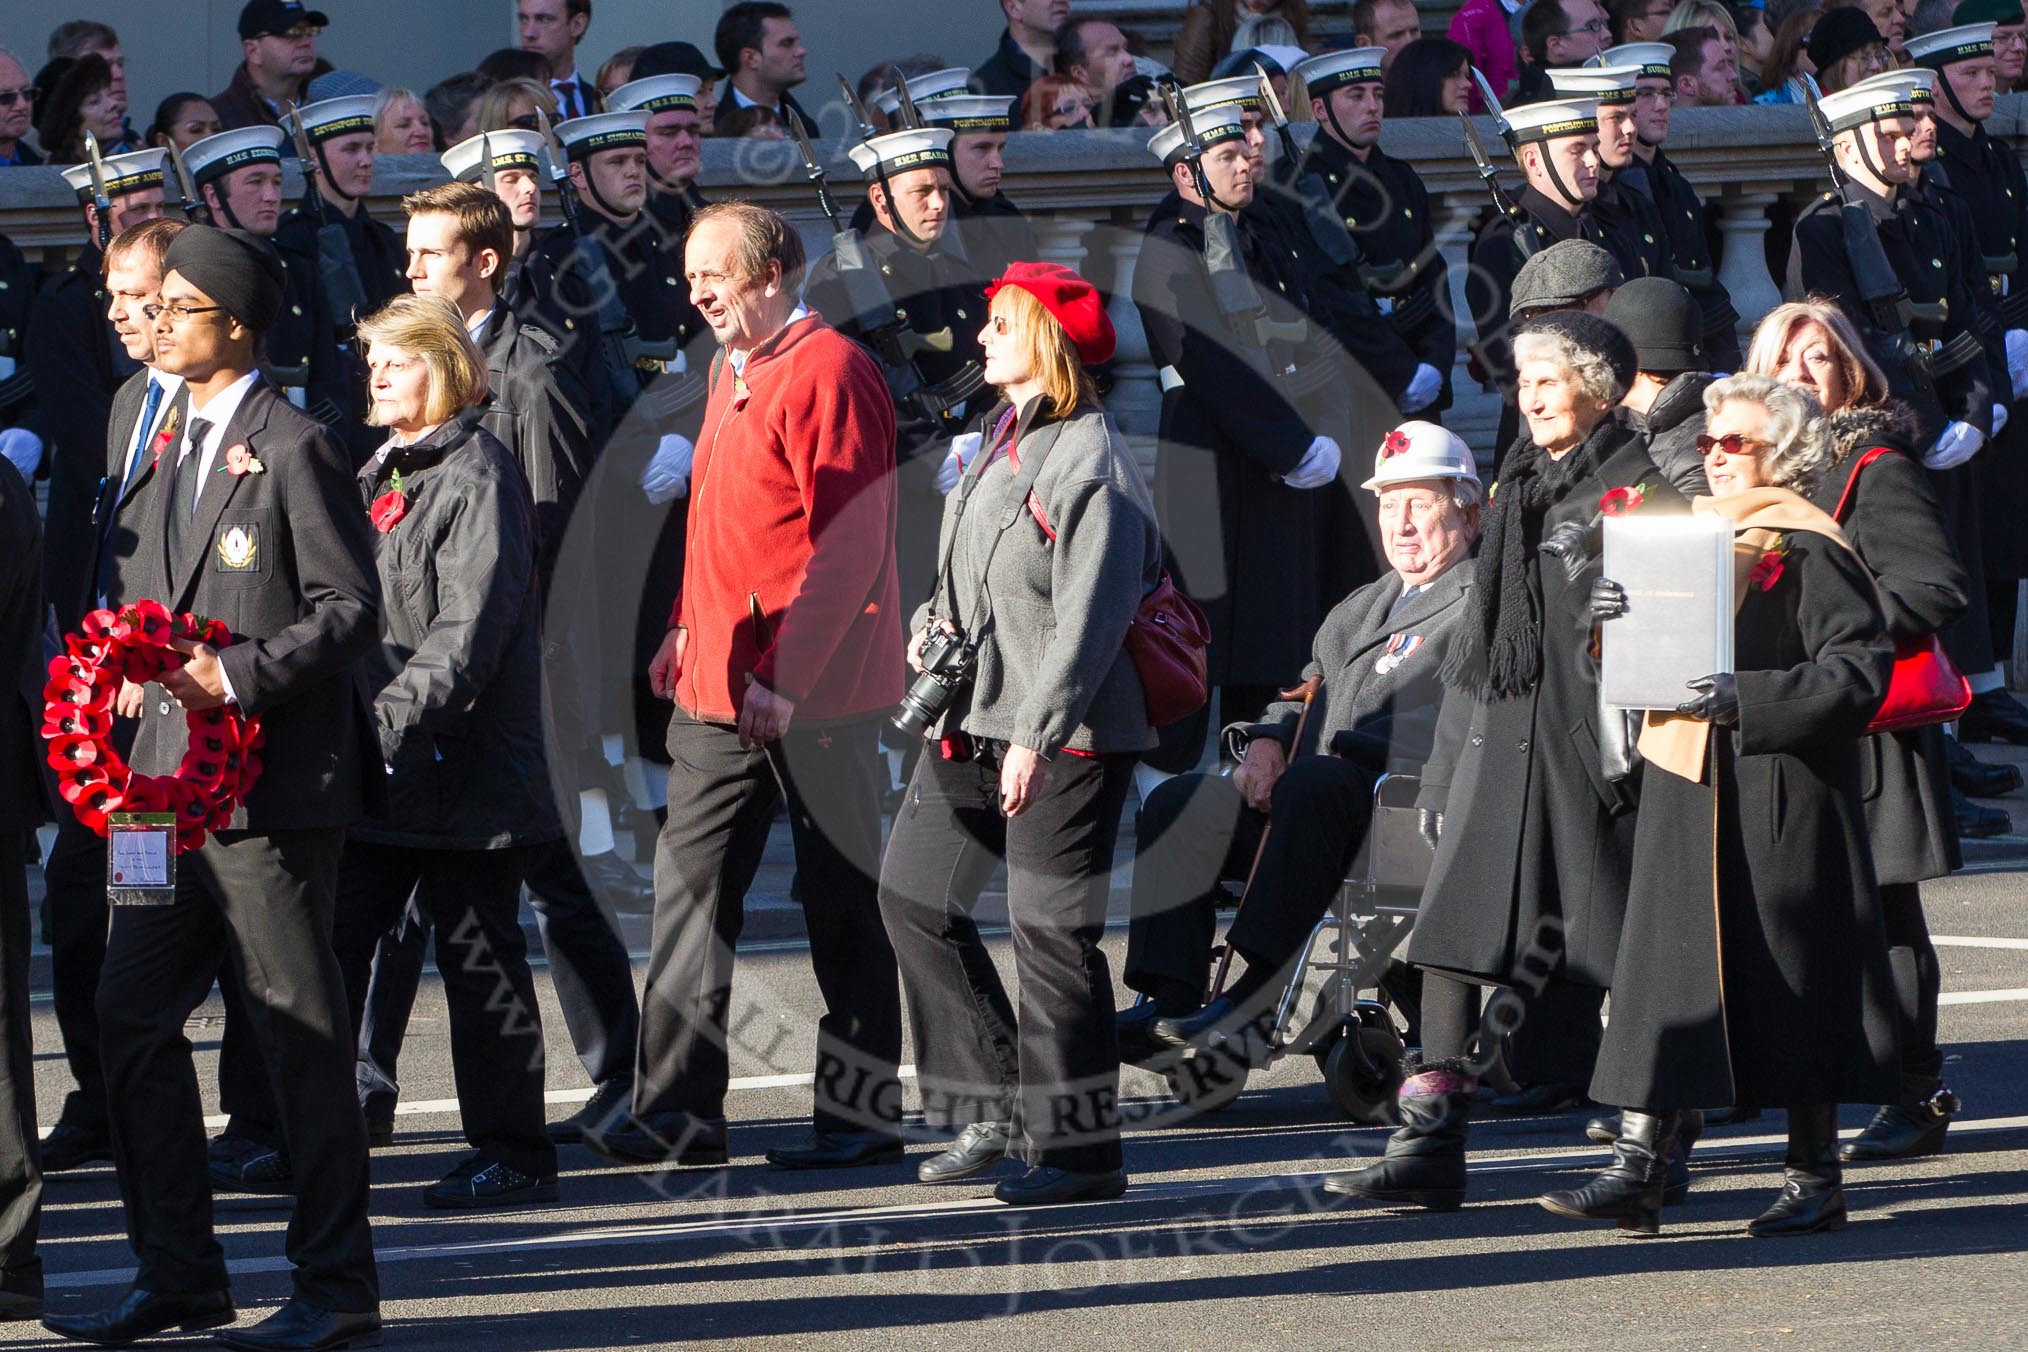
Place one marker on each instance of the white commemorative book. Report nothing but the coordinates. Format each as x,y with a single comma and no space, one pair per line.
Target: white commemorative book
1677,571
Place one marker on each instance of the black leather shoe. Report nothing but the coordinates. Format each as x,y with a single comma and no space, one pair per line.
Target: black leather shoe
1542,1098
302,1327
1134,1027
1812,1198
379,1133
1732,1117
1046,1185
614,881
839,1150
477,1185
1604,1130
660,1138
143,1314
68,1147
1903,1131
1995,716
978,1148
607,1107
1976,778
15,1306
1978,822
1224,1025
240,1165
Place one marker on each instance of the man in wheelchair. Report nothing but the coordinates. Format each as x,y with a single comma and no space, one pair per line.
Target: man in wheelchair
1293,812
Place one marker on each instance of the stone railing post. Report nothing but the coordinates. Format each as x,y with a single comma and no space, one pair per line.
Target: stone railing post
1136,398
1742,219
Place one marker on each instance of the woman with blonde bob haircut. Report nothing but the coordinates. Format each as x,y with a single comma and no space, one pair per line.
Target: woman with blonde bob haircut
455,687
1048,546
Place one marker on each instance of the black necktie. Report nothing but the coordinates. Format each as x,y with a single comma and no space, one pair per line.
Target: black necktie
181,508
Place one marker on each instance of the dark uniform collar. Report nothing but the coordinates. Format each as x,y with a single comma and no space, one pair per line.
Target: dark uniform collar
1549,213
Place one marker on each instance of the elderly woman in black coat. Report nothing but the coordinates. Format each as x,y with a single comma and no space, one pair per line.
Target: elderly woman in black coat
1753,963
1891,516
456,693
1534,838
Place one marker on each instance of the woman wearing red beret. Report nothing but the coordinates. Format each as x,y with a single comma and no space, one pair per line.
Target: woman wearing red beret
1035,718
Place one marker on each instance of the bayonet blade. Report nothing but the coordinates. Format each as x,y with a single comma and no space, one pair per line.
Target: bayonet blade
487,175
910,118
100,199
185,185
858,109
1269,99
1492,100
552,148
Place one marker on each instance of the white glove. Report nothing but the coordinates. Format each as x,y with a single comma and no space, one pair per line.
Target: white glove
24,448
1958,443
667,476
963,448
2017,362
1423,389
1999,419
1318,466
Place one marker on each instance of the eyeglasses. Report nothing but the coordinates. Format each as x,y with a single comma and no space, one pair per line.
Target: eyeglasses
999,324
176,314
1595,26
10,97
299,33
1661,96
1732,443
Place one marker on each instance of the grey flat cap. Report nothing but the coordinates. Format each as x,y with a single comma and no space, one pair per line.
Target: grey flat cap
1562,276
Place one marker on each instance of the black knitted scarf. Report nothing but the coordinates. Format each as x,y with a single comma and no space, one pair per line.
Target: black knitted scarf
1499,655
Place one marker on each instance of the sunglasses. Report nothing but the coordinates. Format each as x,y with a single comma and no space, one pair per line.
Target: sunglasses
10,97
1732,443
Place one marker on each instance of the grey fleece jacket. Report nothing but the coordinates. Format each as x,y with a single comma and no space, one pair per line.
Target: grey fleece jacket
1052,671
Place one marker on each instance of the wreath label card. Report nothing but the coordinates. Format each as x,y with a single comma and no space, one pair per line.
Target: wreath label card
141,858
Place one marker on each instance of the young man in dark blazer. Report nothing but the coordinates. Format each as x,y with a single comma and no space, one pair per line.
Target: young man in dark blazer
256,523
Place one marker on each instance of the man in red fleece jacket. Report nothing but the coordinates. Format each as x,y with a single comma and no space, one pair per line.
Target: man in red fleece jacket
783,656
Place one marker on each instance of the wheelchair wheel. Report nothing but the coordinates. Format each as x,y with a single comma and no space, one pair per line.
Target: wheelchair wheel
1363,1075
1206,1082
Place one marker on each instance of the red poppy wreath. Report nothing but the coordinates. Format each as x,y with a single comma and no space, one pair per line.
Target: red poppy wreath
133,644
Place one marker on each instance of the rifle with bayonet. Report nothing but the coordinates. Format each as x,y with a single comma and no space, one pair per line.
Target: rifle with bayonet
1886,299
102,202
189,203
1524,239
1232,286
1320,213
336,267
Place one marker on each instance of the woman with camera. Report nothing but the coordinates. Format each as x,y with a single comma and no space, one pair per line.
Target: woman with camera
1035,716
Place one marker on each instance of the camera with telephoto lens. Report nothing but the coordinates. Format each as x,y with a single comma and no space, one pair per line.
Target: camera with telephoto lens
946,668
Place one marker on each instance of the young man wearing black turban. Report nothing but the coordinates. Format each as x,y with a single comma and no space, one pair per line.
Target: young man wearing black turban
256,524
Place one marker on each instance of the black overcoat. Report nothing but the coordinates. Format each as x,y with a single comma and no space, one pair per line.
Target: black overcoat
1764,979
1894,524
1537,842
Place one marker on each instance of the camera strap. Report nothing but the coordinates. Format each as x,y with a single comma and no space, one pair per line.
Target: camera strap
1016,506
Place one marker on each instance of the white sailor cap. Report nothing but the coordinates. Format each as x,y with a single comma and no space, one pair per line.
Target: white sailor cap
969,112
1963,43
131,172
584,137
216,156
1237,91
1607,84
1334,70
656,94
1551,119
938,84
511,148
1421,450
1653,58
900,151
1865,102
1213,128
330,118
1917,83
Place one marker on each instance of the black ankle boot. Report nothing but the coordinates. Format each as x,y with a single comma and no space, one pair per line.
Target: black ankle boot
1812,1197
1689,1127
1424,1164
1630,1189
1915,1126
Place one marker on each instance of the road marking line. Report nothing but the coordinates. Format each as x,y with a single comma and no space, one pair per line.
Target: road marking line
1966,941
1982,997
776,1224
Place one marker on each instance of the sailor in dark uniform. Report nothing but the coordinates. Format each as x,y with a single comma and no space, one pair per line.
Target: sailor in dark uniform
238,174
1246,396
20,428
78,367
340,135
1656,176
1629,220
1386,209
933,342
1937,362
675,149
1986,176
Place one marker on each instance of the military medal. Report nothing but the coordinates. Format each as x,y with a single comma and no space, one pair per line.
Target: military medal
1399,648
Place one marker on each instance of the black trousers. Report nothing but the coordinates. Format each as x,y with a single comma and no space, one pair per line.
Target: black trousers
588,968
1055,1075
20,1140
75,878
721,804
1918,980
266,901
473,898
1195,830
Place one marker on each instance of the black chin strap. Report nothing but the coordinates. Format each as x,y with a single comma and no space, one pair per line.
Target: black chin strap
225,208
611,212
325,179
1570,198
1873,166
1943,82
899,226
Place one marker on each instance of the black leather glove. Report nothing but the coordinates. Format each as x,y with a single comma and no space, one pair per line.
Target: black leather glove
1566,544
1608,600
1717,700
1429,824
